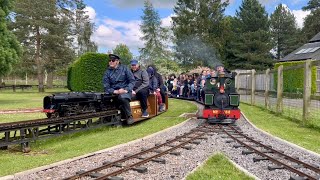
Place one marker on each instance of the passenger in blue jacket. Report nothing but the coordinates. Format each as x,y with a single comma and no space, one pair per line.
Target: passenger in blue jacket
119,80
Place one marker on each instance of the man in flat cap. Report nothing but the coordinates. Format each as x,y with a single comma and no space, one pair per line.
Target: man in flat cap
119,80
141,87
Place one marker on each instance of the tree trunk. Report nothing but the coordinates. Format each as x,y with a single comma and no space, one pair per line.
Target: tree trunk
38,63
50,80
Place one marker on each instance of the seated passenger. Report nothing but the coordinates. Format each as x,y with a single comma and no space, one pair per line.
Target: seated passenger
161,88
153,85
119,80
141,87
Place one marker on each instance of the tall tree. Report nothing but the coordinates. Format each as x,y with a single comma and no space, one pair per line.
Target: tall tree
123,51
153,34
250,45
44,29
311,22
83,29
10,50
200,30
283,31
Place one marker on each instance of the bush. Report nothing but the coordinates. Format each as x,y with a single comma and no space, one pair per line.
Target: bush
86,73
293,80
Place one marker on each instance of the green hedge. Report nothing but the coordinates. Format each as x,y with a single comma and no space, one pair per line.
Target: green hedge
86,73
293,80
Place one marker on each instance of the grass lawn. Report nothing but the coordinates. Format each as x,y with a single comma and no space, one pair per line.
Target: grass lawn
284,128
218,167
64,147
24,99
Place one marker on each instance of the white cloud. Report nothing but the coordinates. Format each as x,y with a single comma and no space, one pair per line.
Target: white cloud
140,3
268,2
112,32
300,15
91,13
167,21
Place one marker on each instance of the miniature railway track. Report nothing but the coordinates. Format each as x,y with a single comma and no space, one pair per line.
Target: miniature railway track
144,156
22,132
282,161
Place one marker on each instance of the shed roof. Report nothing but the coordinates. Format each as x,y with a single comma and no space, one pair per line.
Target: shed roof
309,50
316,38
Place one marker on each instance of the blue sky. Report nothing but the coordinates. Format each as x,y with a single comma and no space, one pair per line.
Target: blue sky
117,21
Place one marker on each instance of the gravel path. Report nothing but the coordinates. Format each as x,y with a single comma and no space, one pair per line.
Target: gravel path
177,167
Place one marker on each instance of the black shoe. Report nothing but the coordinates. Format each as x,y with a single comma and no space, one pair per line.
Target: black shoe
130,120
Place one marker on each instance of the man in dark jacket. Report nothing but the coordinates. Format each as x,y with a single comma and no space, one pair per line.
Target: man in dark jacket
119,80
160,88
141,87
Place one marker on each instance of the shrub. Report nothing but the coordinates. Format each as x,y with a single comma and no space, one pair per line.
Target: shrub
293,80
86,73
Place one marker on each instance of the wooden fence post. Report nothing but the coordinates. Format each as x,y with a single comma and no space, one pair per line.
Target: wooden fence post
306,91
253,86
280,90
267,87
238,81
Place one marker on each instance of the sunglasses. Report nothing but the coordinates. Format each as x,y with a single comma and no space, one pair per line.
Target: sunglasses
112,60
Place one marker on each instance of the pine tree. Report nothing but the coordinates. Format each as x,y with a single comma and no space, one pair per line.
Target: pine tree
44,29
83,29
10,50
200,30
250,43
283,31
311,23
154,35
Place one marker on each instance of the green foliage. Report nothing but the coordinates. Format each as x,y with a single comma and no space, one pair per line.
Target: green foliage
69,77
311,23
124,53
250,44
283,31
293,80
10,50
153,35
87,72
167,66
201,32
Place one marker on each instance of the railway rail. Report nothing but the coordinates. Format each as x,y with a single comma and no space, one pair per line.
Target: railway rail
110,170
24,132
302,169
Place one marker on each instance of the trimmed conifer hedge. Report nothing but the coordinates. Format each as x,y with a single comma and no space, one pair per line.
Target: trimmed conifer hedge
86,73
293,80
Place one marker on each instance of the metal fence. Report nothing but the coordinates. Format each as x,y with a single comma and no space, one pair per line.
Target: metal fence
267,89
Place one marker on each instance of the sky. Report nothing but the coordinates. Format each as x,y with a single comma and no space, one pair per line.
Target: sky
117,21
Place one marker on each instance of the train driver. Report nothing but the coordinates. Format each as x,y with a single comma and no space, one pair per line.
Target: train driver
141,87
119,80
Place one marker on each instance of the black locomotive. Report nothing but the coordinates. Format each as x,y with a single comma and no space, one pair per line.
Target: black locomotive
75,103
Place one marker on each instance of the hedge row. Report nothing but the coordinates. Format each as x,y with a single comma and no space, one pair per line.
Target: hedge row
293,80
86,73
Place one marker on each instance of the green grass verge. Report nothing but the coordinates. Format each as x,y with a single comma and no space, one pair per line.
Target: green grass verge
25,99
282,127
218,167
68,146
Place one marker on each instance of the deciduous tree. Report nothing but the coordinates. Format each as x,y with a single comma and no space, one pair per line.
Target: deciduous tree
123,52
10,50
